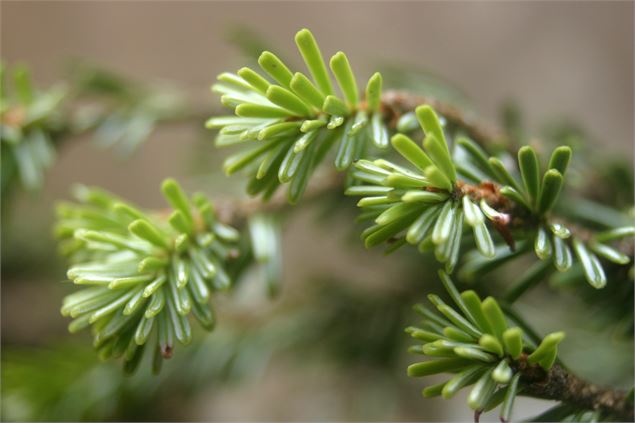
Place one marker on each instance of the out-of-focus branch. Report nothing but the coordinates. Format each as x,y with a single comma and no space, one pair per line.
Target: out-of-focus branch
400,102
235,212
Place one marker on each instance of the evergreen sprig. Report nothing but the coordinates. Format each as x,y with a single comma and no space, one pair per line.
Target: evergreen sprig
122,113
28,120
474,342
425,206
143,273
428,205
286,123
34,122
536,196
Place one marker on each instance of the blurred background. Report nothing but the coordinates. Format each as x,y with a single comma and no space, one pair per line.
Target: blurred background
331,346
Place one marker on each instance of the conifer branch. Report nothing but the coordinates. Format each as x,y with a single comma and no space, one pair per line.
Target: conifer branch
560,384
286,125
476,343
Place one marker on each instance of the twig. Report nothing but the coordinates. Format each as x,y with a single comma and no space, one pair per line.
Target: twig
400,102
561,385
395,103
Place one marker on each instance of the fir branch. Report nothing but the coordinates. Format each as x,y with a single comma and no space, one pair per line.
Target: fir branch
287,127
142,273
560,384
475,343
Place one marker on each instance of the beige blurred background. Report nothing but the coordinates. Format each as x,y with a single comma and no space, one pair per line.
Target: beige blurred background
570,59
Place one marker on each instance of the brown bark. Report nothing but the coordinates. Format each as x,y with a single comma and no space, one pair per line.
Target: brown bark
561,385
